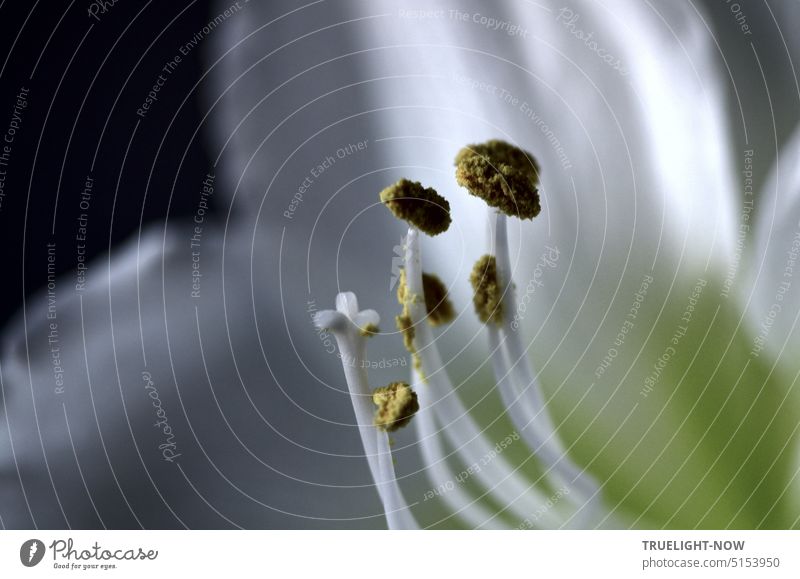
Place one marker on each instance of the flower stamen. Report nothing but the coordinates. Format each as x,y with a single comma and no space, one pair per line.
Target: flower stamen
440,308
504,176
421,207
458,425
397,404
488,295
347,324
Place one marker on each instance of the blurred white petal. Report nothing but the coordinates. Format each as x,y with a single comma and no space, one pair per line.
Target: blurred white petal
774,263
251,437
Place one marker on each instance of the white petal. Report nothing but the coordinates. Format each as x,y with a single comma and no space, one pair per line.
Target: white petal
263,442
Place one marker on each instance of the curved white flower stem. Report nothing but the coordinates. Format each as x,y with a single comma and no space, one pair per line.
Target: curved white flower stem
443,479
398,515
352,347
586,513
521,390
437,393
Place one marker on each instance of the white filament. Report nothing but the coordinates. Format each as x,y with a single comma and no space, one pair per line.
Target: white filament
352,347
520,389
505,483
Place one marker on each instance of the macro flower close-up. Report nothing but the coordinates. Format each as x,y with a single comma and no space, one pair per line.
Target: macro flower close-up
406,265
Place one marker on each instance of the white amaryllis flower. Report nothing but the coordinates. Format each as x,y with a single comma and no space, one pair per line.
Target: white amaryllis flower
652,305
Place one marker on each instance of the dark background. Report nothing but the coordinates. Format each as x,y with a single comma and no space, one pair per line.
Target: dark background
87,78
55,49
